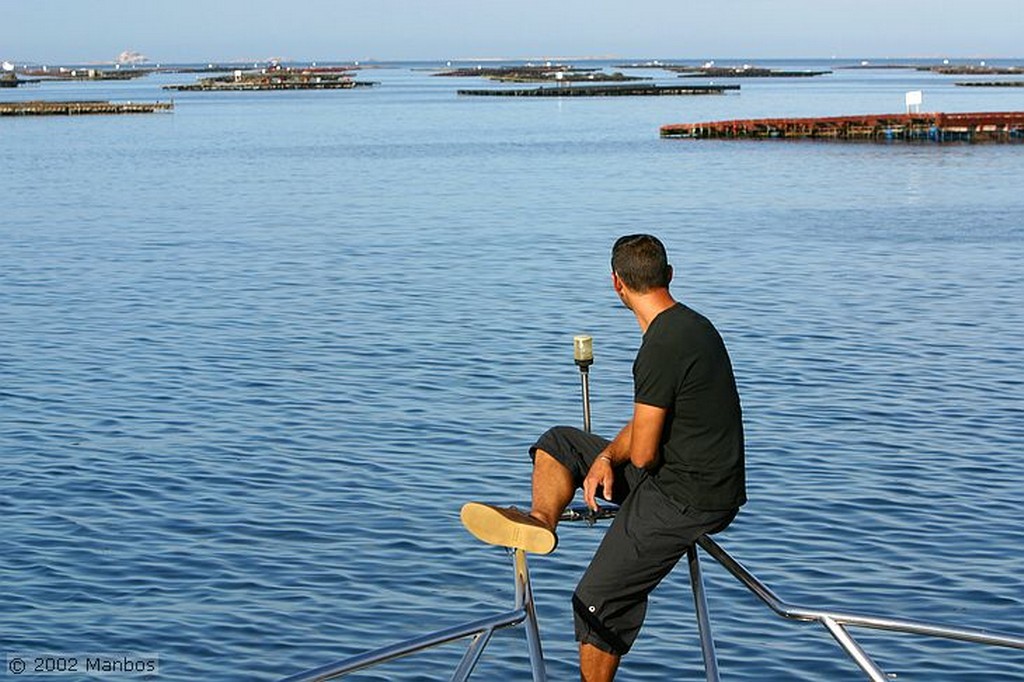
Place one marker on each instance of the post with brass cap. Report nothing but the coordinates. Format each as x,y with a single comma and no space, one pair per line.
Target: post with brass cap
583,354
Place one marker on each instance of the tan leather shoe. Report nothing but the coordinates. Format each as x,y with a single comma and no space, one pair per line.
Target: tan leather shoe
508,527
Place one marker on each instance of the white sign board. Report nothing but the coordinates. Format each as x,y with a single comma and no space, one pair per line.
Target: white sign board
914,99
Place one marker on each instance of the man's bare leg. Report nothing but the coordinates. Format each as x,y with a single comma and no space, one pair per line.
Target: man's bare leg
553,489
597,665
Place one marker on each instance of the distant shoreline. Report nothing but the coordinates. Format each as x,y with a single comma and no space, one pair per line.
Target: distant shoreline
236,62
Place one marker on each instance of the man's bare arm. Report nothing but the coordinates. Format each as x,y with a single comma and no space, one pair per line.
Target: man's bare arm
638,442
618,450
645,438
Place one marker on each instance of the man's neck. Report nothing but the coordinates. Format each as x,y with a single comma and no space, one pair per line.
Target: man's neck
648,306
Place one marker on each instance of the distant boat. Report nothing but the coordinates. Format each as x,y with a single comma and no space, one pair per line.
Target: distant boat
131,58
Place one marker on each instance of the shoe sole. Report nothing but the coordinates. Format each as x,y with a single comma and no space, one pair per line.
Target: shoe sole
489,525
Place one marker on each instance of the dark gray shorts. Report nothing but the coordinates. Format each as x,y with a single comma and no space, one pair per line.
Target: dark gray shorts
646,539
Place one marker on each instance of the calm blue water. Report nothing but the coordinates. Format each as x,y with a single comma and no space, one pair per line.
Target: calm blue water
255,354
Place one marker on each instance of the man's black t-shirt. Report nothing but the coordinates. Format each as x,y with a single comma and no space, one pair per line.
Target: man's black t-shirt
683,366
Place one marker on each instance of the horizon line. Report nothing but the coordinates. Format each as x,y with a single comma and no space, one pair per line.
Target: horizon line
507,58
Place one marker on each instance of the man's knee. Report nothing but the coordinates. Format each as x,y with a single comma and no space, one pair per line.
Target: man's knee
572,447
556,440
544,458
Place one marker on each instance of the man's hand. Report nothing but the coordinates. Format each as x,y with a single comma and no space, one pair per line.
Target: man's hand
601,475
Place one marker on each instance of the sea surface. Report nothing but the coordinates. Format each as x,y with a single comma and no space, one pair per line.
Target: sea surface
257,352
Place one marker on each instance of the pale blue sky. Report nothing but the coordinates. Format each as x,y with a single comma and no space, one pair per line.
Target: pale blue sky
190,30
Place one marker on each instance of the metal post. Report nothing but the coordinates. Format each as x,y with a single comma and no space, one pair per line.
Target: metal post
585,384
856,652
472,656
583,354
700,602
524,601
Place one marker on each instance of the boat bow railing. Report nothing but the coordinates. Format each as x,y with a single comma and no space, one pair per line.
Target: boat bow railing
836,622
479,632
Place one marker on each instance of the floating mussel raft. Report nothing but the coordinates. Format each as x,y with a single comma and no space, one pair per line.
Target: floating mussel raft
80,108
935,127
638,90
277,78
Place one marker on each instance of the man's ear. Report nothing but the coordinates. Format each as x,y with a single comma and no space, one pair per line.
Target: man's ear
670,273
617,283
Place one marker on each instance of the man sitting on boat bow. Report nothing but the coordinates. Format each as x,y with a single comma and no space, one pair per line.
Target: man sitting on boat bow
676,468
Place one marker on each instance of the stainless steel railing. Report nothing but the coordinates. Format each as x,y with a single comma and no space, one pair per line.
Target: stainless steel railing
479,630
836,622
524,612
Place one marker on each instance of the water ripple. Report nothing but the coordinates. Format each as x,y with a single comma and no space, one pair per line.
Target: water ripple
243,397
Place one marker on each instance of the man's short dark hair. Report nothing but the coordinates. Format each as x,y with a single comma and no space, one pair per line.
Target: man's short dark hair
641,262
